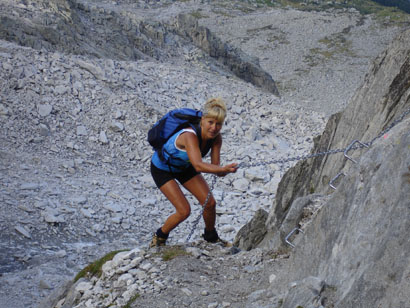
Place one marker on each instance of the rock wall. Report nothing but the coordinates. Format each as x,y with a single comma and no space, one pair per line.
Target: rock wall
382,99
358,246
354,251
242,65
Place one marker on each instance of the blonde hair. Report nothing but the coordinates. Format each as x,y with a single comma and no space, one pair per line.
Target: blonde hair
215,108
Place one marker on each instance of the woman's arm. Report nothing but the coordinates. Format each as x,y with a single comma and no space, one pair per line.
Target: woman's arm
216,150
190,142
216,153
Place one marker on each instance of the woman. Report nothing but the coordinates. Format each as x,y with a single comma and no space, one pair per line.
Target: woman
183,154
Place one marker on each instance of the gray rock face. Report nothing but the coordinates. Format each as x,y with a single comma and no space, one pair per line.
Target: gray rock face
357,243
242,65
383,99
305,292
256,227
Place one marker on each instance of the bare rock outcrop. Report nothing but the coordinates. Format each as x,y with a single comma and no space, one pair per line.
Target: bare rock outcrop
355,247
242,65
379,103
358,245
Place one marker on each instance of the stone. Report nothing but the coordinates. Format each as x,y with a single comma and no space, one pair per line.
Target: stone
87,213
83,286
79,200
103,137
117,127
241,184
113,207
146,266
29,186
51,218
4,111
272,278
257,174
44,130
186,291
61,89
44,285
92,68
61,253
23,231
256,295
303,292
127,279
44,110
98,227
118,115
251,234
82,130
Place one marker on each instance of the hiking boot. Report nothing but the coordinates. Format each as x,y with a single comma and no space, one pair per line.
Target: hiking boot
213,237
223,242
157,241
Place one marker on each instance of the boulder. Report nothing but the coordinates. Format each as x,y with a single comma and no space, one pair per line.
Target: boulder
250,235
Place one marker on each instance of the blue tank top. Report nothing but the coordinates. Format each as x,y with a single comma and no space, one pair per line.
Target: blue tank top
173,155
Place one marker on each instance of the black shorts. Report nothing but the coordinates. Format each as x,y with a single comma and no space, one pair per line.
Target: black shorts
161,176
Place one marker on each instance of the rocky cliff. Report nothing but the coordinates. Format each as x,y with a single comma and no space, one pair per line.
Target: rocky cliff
242,65
81,28
357,244
356,251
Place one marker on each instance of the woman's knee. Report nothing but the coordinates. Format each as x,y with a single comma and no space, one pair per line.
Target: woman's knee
184,213
211,204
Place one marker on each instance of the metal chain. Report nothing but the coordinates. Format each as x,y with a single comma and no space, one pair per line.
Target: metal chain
196,221
289,159
297,158
388,128
303,157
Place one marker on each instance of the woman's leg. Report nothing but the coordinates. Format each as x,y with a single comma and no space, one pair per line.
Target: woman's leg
173,192
200,189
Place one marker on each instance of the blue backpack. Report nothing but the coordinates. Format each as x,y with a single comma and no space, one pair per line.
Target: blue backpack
172,122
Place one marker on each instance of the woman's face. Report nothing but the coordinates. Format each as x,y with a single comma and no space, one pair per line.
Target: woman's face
210,127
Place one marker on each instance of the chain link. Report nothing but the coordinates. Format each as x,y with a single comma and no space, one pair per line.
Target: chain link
289,159
334,151
388,128
296,158
196,221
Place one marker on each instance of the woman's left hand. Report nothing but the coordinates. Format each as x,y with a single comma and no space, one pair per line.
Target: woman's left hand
230,168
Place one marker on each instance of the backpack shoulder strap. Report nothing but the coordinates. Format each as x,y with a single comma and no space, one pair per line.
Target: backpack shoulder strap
209,143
